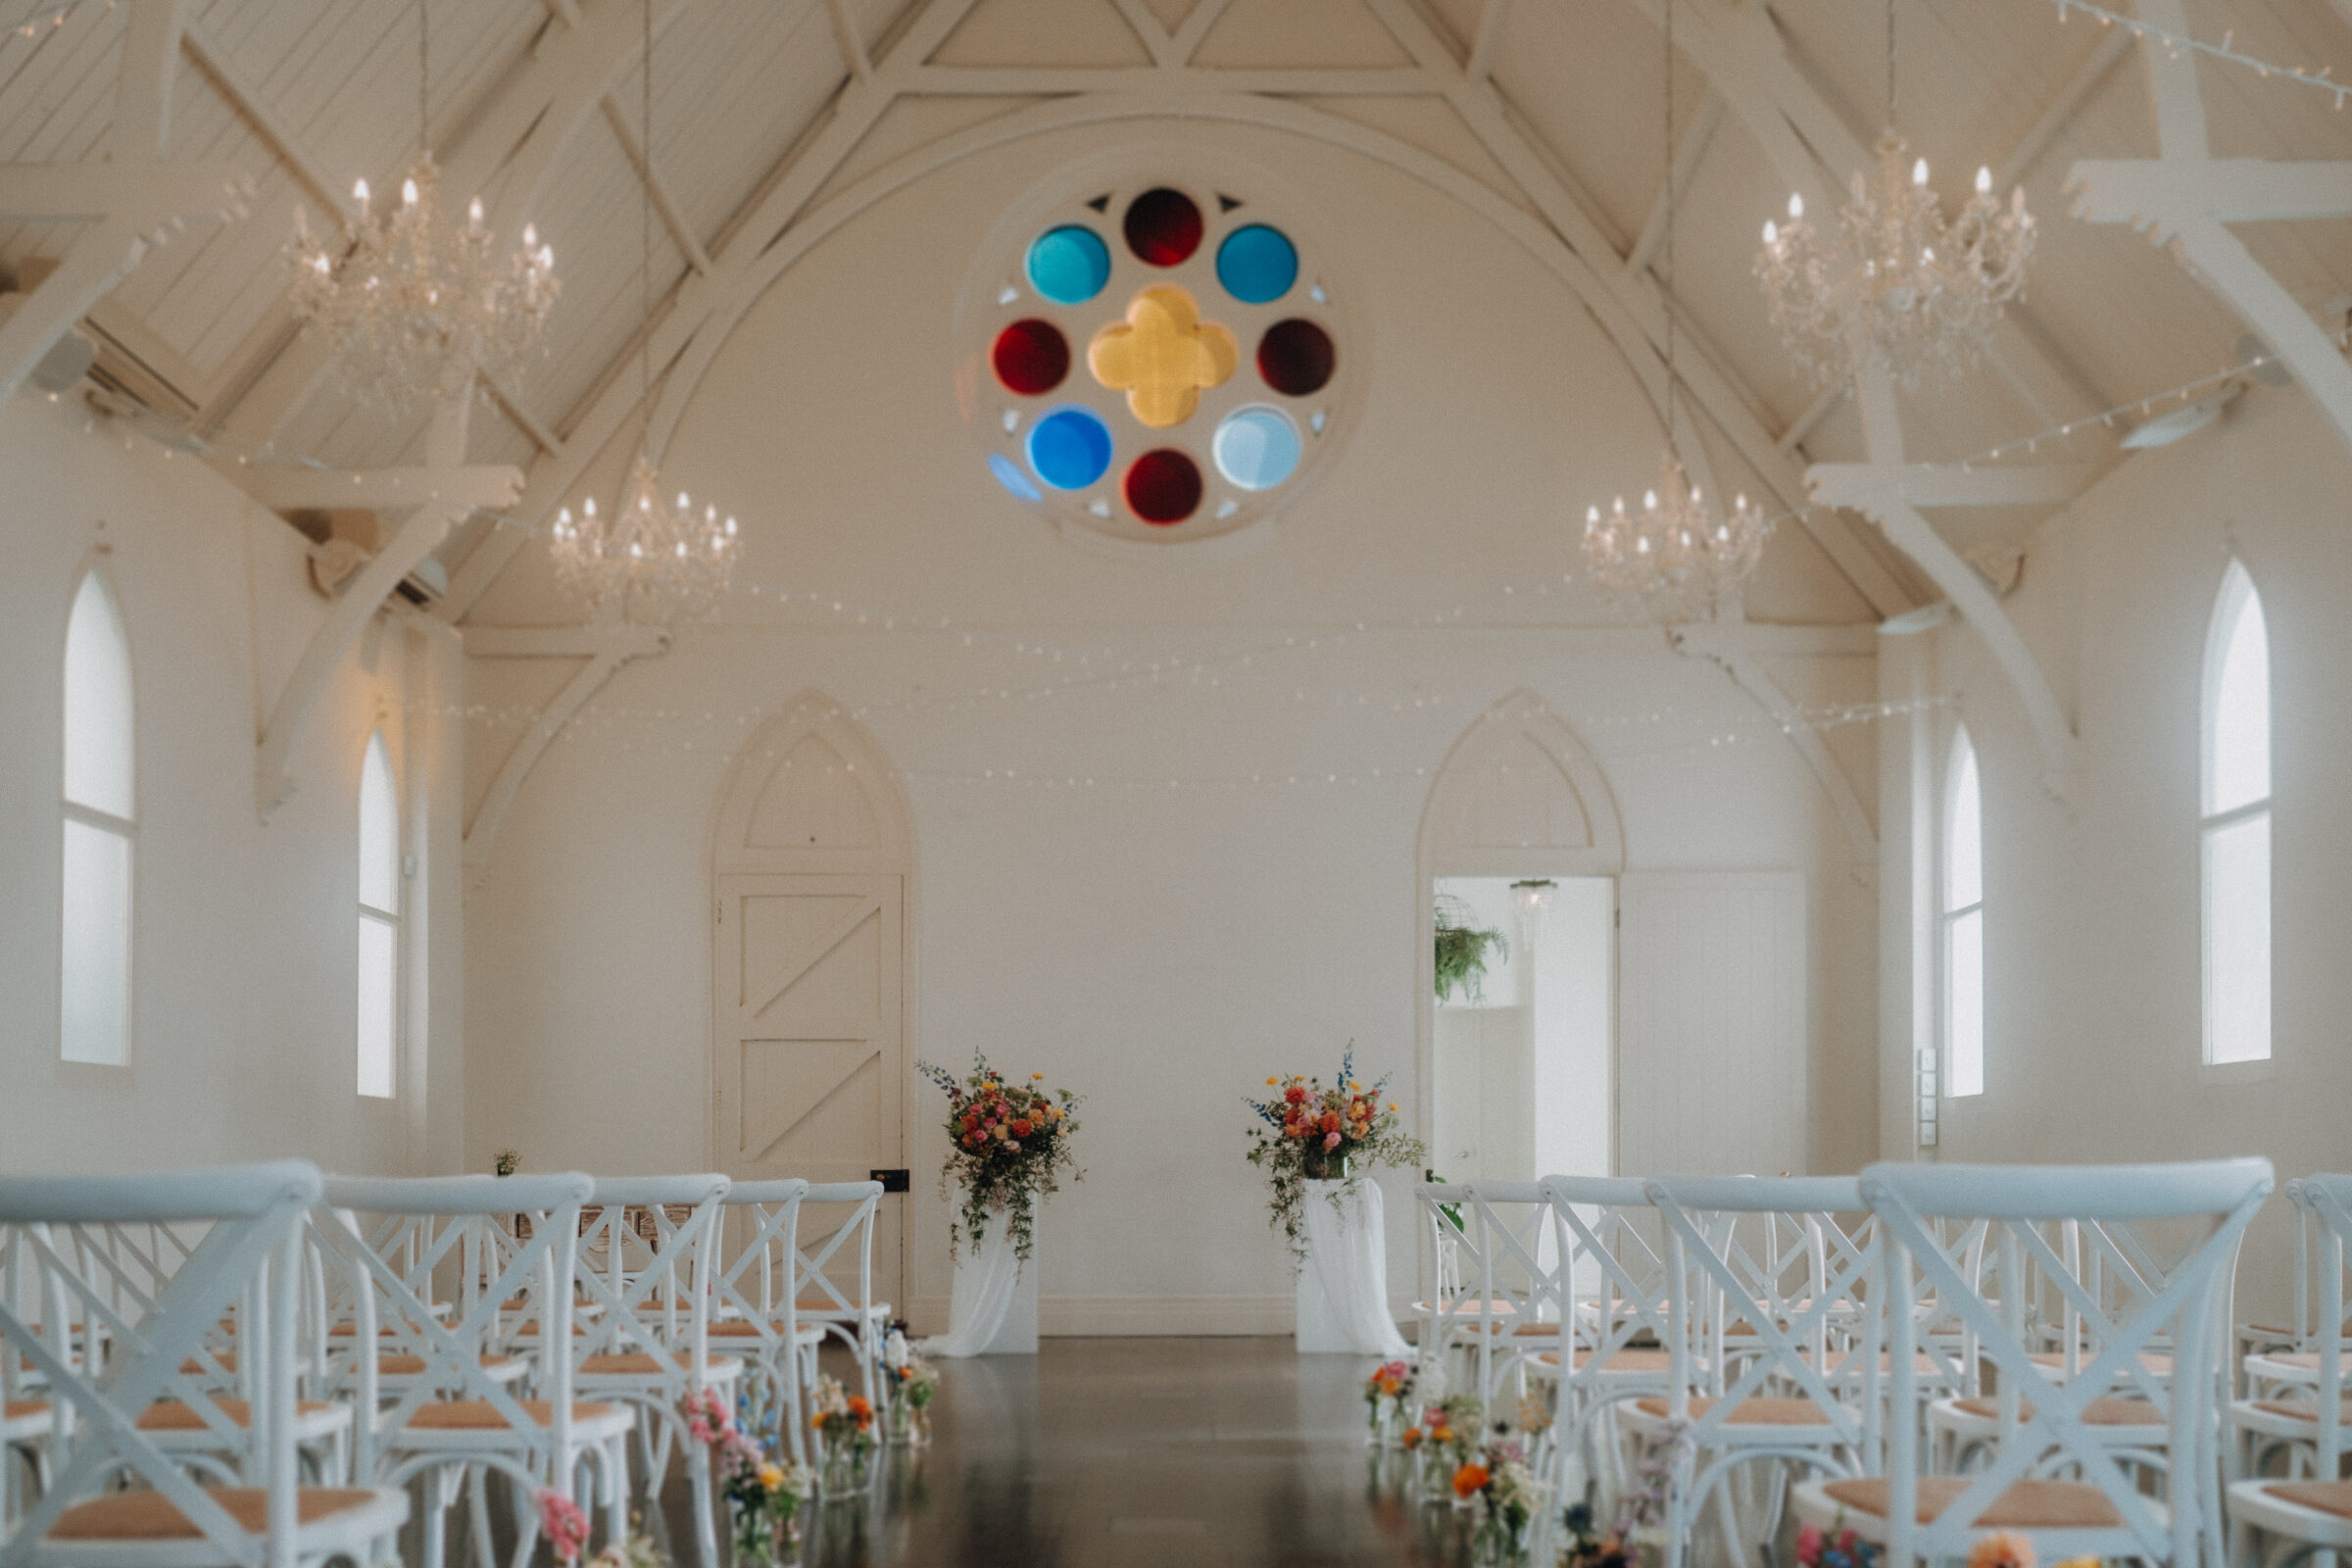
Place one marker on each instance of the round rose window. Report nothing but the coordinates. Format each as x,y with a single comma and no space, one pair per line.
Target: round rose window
1159,363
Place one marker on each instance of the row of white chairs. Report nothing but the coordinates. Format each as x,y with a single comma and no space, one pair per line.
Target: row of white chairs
1929,1352
265,1365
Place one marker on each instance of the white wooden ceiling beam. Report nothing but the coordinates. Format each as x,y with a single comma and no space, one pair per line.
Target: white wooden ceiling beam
1792,439
1156,40
1197,24
288,488
1051,82
1945,485
142,129
263,121
2185,197
1724,647
1487,41
589,427
1687,154
665,207
2114,43
845,34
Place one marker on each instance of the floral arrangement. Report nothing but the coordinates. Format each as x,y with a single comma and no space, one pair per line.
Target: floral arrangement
1447,1430
1005,1145
1497,1480
1310,1133
2005,1549
1635,1539
1385,1391
564,1524
764,1495
1842,1548
909,1383
843,1422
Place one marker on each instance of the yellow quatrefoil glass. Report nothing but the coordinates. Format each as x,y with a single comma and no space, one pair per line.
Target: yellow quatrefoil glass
1163,356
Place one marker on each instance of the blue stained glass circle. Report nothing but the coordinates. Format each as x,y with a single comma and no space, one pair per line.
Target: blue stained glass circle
1257,265
1069,264
1070,447
1012,478
1257,447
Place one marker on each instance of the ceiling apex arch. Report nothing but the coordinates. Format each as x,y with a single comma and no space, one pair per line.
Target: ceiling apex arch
811,791
1520,795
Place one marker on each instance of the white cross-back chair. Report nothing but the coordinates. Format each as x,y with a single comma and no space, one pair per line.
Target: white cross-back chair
1774,1338
2309,1422
237,1255
1612,1275
648,1347
834,1282
1509,1307
756,1310
2174,1232
507,1245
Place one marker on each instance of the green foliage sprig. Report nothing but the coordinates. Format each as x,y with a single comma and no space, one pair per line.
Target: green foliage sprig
1462,949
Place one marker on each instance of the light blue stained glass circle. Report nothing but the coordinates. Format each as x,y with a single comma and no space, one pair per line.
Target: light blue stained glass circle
1069,264
1257,447
1256,263
1069,448
1012,478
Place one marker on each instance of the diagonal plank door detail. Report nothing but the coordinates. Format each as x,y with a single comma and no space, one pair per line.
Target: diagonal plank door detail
809,1061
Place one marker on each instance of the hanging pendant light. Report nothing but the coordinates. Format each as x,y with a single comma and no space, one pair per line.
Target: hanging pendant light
1894,281
1674,558
657,563
414,304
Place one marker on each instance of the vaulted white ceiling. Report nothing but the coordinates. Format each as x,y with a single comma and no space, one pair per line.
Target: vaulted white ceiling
764,108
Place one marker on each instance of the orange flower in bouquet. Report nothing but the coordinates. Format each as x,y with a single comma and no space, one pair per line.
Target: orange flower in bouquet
1007,1143
1312,1133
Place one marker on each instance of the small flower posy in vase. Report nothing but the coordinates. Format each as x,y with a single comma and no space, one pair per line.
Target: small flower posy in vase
1006,1146
1309,1133
908,1384
763,1492
843,1424
1441,1442
563,1523
1495,1482
1387,1392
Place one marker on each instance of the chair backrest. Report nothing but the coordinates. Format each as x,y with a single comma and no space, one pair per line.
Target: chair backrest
646,1258
241,1229
509,1242
1509,1279
1766,1288
833,1279
2172,1232
2325,1204
760,1228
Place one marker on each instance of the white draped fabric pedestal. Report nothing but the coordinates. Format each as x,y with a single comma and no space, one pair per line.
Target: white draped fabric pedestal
1344,1284
993,1311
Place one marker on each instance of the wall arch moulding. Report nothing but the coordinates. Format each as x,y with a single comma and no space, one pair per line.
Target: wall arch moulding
811,792
1518,795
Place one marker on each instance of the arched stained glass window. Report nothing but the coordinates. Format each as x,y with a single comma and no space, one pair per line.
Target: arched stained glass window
1964,920
2235,810
100,808
379,922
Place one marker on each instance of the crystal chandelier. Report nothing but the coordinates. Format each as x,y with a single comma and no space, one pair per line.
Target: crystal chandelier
1895,282
414,304
656,563
660,562
1675,558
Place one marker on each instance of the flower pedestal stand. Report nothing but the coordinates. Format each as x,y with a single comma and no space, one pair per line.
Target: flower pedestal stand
993,1311
1344,1284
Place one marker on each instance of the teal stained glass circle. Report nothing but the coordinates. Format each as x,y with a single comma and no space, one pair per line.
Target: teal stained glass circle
1069,448
1257,447
1069,264
1257,265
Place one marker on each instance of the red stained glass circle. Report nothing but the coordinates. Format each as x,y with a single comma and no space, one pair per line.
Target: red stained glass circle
1296,357
1031,357
1164,227
1163,487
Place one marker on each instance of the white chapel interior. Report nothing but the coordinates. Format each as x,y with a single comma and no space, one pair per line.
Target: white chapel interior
1115,782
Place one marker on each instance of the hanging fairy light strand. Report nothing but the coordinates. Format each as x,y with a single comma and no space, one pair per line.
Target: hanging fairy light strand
2322,78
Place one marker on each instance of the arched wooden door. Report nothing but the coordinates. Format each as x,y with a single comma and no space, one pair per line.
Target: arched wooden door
812,869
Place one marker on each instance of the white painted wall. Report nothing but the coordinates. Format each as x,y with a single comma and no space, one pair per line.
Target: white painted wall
2092,985
244,946
1161,950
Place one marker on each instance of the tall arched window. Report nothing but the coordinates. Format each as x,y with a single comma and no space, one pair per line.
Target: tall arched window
101,827
1964,920
379,922
2237,826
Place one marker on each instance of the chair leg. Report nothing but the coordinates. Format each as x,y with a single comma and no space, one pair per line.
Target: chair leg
477,1513
698,1481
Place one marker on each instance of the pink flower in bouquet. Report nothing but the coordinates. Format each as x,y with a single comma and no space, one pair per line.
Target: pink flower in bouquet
708,1418
1331,1139
1808,1545
564,1524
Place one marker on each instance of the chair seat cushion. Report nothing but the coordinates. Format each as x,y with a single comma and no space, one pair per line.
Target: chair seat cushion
171,1415
19,1410
2327,1496
1629,1359
152,1516
2155,1361
2303,1412
409,1366
1749,1412
735,1328
2097,1413
2026,1506
472,1415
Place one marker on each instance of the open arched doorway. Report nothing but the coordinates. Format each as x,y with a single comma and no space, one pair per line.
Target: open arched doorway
813,884
1520,837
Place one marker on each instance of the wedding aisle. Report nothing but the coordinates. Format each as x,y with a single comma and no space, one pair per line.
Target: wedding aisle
1210,1453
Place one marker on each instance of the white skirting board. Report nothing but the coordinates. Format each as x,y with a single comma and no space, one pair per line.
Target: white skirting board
1139,1317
